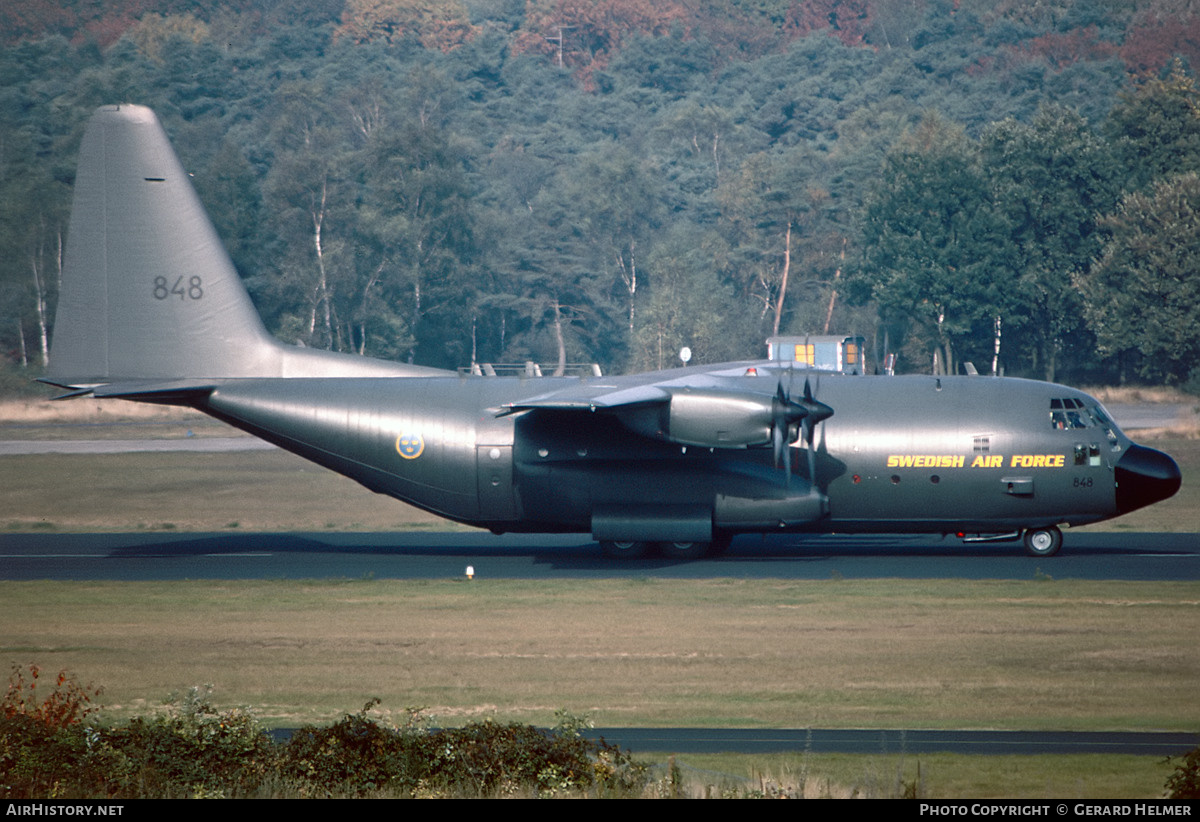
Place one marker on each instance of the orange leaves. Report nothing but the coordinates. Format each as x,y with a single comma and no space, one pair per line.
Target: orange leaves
439,24
67,704
592,31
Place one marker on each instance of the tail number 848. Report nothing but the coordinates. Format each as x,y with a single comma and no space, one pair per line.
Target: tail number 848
192,289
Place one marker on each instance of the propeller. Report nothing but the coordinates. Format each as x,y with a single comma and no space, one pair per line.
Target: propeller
786,412
817,413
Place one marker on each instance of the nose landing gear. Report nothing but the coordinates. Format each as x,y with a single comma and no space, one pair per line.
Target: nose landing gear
1043,542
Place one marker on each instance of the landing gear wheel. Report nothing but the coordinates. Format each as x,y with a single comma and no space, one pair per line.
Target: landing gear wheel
1043,542
624,550
683,550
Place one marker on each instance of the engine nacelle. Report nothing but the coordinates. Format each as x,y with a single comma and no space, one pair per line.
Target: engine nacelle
706,417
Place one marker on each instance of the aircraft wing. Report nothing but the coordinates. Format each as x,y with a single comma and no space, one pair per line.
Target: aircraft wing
723,409
656,387
592,397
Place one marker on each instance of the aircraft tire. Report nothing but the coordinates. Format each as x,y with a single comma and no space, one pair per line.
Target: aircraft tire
614,549
1043,542
684,550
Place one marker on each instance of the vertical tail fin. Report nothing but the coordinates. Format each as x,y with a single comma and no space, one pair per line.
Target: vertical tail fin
145,278
148,291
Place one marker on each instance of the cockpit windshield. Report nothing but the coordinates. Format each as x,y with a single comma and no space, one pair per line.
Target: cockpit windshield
1072,414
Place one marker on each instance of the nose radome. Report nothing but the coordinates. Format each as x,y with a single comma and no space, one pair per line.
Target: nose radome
1144,476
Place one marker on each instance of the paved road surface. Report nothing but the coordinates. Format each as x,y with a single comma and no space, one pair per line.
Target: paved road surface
442,555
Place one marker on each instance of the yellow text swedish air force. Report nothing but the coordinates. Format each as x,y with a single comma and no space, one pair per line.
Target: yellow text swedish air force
979,461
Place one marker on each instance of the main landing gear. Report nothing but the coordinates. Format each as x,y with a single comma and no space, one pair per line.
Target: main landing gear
678,551
625,550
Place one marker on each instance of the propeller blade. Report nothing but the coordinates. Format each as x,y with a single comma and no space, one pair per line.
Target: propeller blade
779,446
816,413
785,413
812,463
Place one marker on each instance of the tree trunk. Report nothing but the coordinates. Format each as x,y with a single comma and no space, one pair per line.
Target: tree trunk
561,368
787,267
21,340
39,300
1049,361
837,275
318,218
996,351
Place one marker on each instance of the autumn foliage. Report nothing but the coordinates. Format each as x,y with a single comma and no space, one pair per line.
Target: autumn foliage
436,24
67,703
193,749
593,31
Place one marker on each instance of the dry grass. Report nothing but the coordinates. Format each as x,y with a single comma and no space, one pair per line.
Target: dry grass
758,653
1186,425
941,776
1139,394
89,410
247,490
1185,429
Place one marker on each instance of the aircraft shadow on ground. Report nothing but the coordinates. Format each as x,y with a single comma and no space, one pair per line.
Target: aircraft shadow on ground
773,548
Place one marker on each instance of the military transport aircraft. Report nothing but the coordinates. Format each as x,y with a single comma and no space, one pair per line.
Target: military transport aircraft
676,462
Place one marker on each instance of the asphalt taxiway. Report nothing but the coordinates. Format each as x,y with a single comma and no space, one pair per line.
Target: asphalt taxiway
446,554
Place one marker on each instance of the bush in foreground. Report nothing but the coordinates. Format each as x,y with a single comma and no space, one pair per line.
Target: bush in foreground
359,757
1184,783
194,750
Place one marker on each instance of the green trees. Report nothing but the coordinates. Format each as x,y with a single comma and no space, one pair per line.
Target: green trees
970,239
1155,129
440,24
310,196
369,196
423,180
1143,295
416,220
1050,179
932,240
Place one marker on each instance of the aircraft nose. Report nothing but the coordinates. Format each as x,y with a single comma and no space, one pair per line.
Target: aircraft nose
1144,476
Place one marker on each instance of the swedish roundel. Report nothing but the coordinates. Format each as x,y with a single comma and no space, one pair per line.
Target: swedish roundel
410,446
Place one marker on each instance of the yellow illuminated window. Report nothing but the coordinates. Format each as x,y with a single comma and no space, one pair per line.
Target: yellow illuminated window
806,353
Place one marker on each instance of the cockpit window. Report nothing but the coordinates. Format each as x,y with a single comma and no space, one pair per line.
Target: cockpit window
1068,414
1071,414
1102,421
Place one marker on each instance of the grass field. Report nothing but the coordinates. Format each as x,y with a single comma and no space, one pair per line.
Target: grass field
1039,654
934,776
